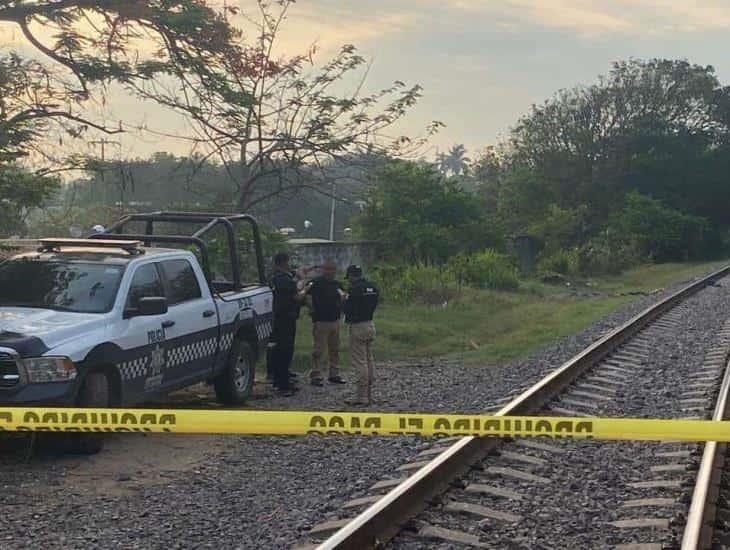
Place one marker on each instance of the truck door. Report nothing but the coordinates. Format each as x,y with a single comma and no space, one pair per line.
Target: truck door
142,338
192,328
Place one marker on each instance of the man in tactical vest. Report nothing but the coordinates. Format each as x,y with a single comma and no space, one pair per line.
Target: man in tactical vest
359,306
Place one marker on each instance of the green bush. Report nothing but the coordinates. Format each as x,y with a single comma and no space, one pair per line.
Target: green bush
603,255
560,228
659,232
485,269
565,262
415,283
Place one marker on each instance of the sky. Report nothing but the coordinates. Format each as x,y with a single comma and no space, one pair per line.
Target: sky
482,63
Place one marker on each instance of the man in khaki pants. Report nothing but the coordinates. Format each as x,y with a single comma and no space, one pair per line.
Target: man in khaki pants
359,307
326,293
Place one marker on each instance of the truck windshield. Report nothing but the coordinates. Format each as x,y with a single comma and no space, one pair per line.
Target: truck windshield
79,287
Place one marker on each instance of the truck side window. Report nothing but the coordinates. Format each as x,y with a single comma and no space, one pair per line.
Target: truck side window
145,283
181,281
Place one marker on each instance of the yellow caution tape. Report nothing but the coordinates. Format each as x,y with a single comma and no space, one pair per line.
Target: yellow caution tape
250,422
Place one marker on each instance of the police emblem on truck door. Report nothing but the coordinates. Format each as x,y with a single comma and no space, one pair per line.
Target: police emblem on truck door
154,369
156,361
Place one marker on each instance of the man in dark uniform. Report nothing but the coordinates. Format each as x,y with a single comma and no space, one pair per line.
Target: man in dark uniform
299,277
287,303
359,307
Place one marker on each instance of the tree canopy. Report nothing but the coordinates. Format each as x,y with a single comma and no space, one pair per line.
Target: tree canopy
650,140
637,128
96,42
423,217
73,50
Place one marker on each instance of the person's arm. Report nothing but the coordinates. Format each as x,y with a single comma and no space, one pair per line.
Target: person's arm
304,292
341,292
347,304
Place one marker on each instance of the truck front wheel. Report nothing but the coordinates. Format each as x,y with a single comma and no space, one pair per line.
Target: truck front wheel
94,393
233,386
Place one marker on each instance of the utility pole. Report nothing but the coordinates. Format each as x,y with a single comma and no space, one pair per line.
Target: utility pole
103,142
332,212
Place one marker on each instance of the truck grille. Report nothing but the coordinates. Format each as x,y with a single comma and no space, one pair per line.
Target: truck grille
9,374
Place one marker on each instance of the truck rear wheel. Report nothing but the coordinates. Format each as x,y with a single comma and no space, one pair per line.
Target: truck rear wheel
233,386
94,393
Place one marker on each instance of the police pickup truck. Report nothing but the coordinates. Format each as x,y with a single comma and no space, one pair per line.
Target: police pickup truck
115,319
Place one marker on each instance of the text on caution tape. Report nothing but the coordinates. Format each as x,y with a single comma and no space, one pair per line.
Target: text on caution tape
247,422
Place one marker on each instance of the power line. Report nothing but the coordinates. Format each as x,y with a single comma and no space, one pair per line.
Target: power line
104,142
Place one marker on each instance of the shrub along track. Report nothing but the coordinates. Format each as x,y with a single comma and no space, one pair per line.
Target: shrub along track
484,492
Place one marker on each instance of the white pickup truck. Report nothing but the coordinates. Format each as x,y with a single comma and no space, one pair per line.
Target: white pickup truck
114,320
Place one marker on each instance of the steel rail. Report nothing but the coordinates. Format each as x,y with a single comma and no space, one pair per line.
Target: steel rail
703,508
385,518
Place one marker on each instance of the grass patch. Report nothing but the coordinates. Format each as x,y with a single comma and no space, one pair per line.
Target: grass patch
485,326
650,277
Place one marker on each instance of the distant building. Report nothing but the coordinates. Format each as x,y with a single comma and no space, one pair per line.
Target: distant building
313,252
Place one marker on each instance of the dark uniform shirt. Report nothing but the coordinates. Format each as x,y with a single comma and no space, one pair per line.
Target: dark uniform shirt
284,288
361,302
326,300
286,313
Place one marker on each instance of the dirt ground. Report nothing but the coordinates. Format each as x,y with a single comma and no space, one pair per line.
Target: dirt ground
127,461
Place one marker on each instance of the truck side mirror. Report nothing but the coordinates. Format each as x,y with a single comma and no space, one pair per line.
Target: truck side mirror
148,305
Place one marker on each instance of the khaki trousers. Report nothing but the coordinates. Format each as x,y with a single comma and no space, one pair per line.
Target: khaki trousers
362,337
326,337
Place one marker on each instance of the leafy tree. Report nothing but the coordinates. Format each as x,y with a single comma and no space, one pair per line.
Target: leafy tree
591,145
95,42
659,232
560,228
422,216
165,182
276,124
20,191
92,43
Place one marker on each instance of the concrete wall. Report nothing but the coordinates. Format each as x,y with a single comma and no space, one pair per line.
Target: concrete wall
343,253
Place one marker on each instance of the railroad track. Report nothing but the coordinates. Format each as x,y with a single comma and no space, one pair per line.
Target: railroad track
708,521
482,480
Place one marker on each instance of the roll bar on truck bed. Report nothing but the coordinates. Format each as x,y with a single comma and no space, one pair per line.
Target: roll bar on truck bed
210,221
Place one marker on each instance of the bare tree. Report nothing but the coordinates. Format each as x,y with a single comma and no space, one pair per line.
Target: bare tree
276,124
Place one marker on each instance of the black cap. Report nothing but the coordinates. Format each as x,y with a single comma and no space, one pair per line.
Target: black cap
353,271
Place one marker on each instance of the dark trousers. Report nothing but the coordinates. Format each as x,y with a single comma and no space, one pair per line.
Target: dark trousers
280,356
269,363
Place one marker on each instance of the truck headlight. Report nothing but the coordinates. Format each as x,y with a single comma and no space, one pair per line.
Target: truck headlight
49,369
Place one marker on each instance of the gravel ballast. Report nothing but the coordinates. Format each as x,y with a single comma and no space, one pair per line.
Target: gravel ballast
591,480
265,492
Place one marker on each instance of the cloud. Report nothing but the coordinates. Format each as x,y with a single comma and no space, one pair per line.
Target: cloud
591,18
332,23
